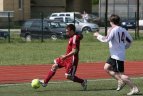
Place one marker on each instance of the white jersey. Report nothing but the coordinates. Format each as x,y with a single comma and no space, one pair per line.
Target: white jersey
119,40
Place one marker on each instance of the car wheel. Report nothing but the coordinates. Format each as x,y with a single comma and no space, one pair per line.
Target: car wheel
28,38
86,29
54,37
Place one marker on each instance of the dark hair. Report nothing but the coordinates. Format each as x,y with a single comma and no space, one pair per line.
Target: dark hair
115,19
71,26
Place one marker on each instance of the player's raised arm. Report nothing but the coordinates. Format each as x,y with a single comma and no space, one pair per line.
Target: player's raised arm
103,38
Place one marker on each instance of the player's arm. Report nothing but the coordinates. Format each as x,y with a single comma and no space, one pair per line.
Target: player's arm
74,48
74,51
129,40
104,38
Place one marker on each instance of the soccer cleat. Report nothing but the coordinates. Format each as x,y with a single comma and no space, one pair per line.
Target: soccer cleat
42,83
134,91
84,85
121,84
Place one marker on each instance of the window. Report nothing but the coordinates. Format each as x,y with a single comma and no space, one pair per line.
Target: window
28,24
36,24
59,19
20,4
62,25
78,16
69,20
54,15
45,25
67,14
62,15
54,25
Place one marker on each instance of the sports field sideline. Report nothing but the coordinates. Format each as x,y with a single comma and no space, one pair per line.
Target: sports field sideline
23,74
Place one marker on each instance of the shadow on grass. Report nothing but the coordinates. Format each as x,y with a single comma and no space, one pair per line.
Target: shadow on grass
46,90
102,89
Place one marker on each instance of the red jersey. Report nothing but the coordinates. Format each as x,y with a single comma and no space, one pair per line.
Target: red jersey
70,62
74,42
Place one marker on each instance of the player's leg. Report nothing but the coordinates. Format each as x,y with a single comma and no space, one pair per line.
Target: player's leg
115,68
51,73
120,83
108,69
70,74
115,75
134,88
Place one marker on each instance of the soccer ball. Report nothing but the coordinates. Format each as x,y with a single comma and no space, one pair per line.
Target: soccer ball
35,83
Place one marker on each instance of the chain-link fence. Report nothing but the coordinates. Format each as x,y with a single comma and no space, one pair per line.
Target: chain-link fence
32,29
38,29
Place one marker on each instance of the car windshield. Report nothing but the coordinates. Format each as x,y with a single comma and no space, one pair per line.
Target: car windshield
57,25
78,16
80,20
128,20
28,24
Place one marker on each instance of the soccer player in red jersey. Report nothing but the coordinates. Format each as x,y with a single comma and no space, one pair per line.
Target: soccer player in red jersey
68,60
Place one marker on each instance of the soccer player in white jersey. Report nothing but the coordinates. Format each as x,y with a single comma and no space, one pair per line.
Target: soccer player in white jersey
119,40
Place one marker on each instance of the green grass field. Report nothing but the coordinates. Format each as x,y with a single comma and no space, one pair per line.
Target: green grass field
100,87
19,52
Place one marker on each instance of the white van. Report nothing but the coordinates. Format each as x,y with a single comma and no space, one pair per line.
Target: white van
66,14
80,25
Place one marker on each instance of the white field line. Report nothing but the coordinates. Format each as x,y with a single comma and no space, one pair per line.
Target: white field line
65,81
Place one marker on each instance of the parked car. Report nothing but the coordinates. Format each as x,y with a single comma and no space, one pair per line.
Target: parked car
81,26
4,34
128,24
65,14
33,29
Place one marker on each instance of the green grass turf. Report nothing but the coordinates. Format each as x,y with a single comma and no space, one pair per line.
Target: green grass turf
19,52
100,87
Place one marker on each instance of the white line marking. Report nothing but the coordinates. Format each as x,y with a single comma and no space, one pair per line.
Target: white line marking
19,84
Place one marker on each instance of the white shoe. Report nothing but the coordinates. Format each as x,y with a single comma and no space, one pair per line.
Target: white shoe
84,85
121,84
134,91
42,83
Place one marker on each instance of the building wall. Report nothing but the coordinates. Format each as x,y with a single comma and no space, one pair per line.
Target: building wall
1,5
83,5
47,7
27,9
33,8
49,2
19,14
79,5
124,8
50,6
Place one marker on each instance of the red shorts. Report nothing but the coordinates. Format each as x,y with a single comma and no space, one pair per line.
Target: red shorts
70,64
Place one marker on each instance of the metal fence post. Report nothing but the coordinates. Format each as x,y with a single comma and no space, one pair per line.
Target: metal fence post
42,39
135,25
106,17
137,15
9,27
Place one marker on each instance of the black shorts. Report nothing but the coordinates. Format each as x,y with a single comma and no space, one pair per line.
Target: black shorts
117,66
